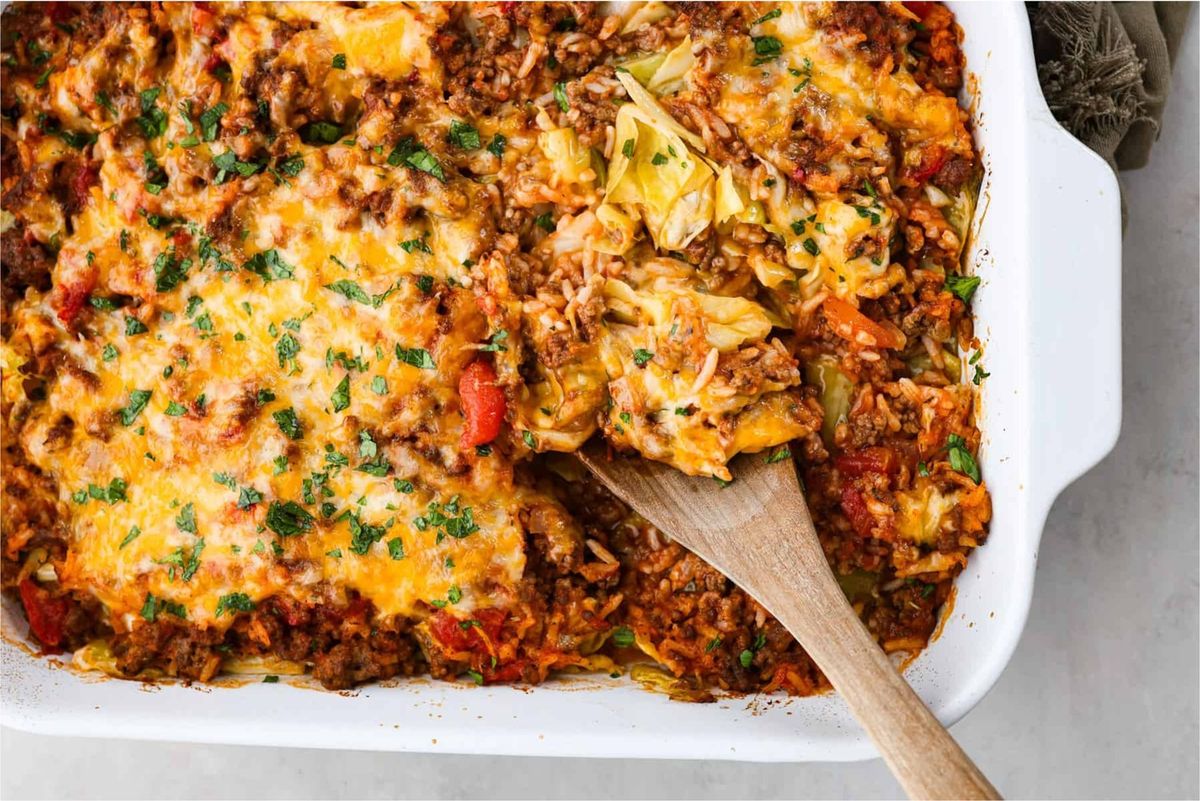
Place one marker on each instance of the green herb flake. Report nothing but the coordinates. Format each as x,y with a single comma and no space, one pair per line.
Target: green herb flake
395,548
641,356
288,519
623,637
339,61
770,15
416,357
962,286
464,135
779,455
234,602
138,399
288,423
560,96
961,459
134,533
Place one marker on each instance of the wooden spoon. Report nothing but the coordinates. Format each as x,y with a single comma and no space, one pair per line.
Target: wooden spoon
758,532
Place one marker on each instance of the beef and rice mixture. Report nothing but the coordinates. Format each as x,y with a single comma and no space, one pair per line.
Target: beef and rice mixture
305,308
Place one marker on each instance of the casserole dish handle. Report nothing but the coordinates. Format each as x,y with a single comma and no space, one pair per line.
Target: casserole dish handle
1075,367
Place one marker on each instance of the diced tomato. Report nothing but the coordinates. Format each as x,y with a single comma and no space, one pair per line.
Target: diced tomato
919,7
293,612
58,12
45,612
483,404
505,673
465,635
856,511
868,460
799,174
851,324
72,297
85,177
933,161
213,61
181,238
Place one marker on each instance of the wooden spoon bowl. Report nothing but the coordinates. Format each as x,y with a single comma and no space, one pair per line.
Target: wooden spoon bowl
758,532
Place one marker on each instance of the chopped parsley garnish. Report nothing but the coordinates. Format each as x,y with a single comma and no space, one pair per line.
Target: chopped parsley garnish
658,160
980,374
363,535
109,353
403,485
186,519
545,222
395,548
339,61
417,357
922,469
210,122
779,455
291,165
138,399
869,188
234,602
961,459
320,133
379,385
288,519
560,96
496,342
153,606
766,48
341,394
962,286
247,497
115,491
811,247
176,409
622,637
169,272
285,350
409,152
153,120
770,15
288,423
269,265
529,440
449,519
350,290
627,149
713,645
134,533
228,163
421,245
497,145
641,356
464,135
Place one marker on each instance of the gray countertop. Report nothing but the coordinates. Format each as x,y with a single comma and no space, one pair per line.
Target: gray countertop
1100,699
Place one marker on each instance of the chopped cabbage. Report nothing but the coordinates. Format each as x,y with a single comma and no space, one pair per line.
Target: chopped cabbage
728,321
647,14
572,161
644,67
835,389
671,74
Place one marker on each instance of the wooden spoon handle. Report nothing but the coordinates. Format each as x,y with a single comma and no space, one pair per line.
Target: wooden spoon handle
920,752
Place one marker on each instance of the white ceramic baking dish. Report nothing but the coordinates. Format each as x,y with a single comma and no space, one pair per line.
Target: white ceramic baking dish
1047,245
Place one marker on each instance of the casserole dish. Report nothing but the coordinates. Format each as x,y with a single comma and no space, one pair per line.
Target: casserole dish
625,721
